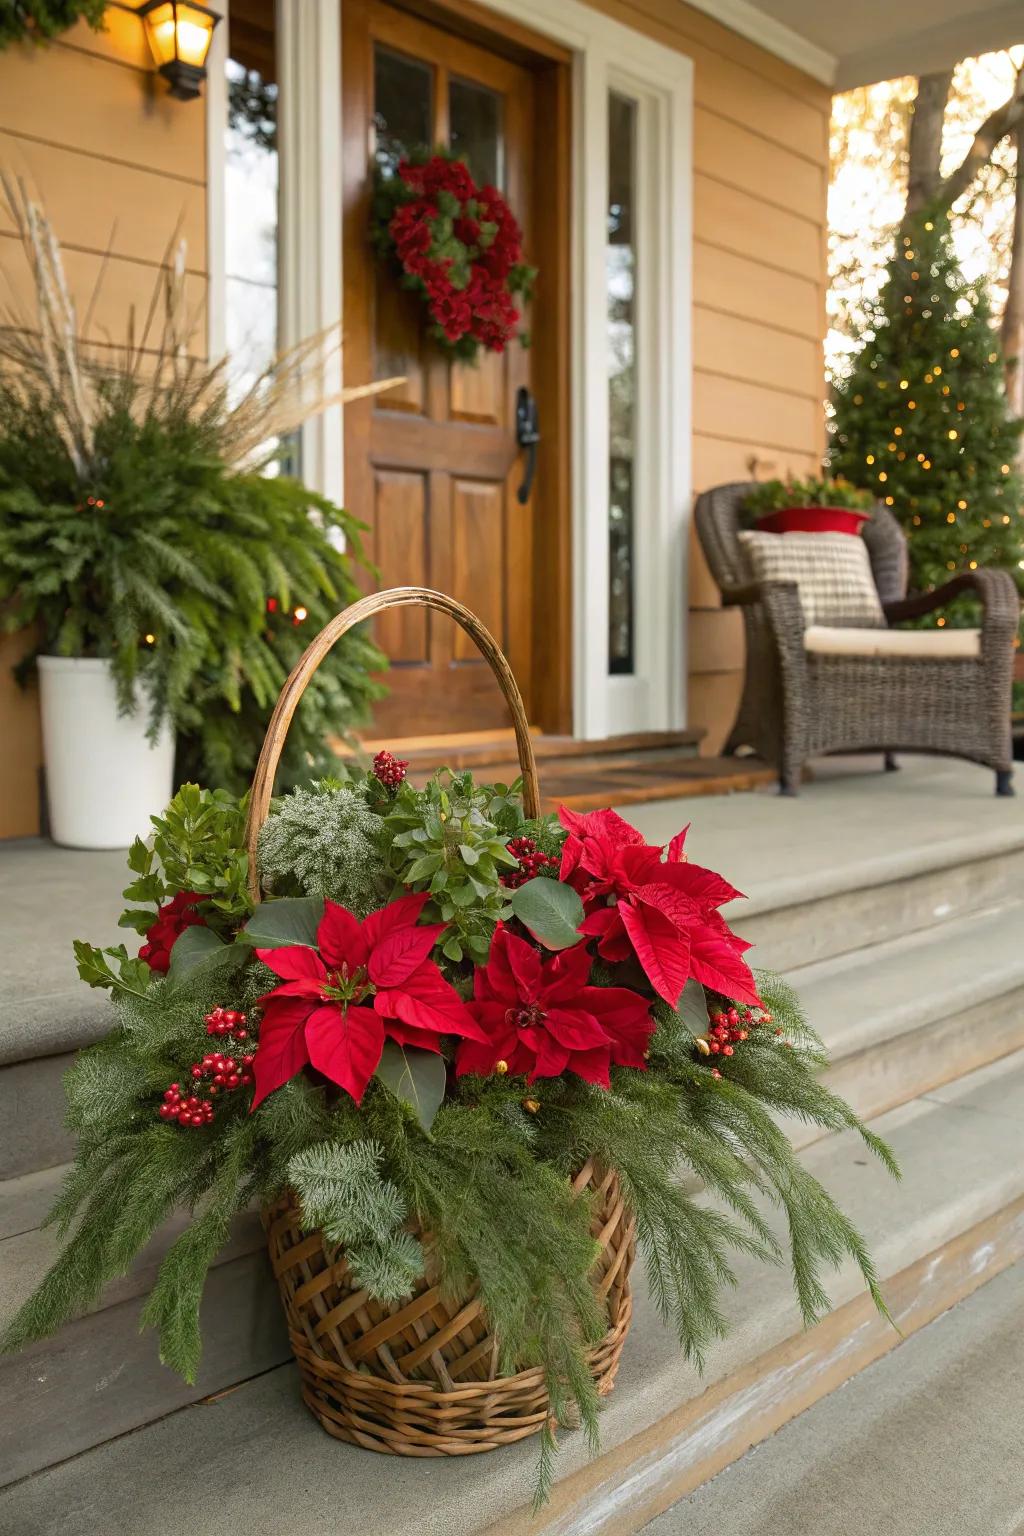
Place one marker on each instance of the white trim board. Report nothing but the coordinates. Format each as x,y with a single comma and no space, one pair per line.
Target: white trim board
607,54
771,35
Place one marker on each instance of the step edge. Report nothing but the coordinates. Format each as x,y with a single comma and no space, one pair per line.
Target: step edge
644,1476
883,870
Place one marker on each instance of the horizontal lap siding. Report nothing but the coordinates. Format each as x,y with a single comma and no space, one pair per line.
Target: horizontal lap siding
760,162
120,168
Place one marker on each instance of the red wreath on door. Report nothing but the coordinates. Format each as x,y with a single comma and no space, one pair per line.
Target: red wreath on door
459,246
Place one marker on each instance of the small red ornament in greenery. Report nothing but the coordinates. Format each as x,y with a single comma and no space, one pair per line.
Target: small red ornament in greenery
171,920
459,246
542,1018
364,983
390,770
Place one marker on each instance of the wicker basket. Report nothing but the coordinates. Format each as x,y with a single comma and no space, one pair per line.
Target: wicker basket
420,1377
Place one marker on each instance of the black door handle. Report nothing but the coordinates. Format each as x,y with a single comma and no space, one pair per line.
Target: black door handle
527,436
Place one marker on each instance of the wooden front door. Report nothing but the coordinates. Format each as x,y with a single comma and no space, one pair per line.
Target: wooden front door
434,467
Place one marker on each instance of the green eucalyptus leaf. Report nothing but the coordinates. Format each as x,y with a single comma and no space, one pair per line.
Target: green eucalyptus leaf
470,855
416,1077
692,1007
553,912
289,920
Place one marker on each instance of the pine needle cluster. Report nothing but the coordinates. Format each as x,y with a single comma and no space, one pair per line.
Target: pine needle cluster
39,21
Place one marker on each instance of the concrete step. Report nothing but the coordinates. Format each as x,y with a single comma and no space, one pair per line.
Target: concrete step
834,1469
99,1376
906,1016
259,1462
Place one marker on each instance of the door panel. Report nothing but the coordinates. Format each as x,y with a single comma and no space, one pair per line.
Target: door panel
434,466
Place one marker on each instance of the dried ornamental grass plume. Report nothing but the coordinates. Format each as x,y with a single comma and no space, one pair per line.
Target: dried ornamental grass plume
327,844
158,375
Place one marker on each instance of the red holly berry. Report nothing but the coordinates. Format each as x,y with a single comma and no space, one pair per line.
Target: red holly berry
390,770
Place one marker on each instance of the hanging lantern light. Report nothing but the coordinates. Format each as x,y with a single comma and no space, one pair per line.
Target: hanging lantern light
180,34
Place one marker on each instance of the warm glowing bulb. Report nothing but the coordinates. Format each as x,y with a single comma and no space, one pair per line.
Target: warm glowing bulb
151,639
300,614
897,431
974,565
952,434
883,475
904,383
954,351
911,405
950,517
936,370
917,520
962,505
870,459
889,501
1004,469
940,623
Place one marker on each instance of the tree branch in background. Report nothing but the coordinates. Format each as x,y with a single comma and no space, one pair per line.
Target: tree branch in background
1012,333
924,148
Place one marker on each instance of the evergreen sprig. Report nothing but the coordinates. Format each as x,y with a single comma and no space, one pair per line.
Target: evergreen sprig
39,21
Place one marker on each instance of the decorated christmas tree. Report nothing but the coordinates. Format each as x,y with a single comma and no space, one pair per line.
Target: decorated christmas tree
922,418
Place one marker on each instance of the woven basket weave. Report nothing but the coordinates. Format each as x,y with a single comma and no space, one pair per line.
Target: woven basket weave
420,1377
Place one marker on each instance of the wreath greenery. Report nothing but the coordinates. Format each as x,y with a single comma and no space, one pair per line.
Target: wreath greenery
458,246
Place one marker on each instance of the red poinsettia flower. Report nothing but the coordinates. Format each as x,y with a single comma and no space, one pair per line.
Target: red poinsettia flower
171,920
541,1018
662,910
364,983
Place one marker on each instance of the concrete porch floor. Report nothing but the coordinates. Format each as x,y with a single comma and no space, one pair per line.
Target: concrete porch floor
853,826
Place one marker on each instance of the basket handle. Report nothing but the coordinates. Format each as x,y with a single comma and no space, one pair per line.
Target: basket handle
295,687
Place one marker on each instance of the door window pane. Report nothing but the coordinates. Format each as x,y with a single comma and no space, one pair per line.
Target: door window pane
402,102
621,282
474,115
250,197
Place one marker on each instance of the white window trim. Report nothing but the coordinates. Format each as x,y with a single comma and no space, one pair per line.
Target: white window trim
604,53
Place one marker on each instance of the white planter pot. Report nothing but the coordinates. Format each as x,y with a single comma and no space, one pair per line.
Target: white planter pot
103,778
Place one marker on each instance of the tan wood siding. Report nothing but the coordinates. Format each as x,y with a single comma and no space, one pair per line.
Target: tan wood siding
120,167
760,137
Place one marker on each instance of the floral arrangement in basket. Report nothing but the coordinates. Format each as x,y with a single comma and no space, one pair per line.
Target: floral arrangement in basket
458,246
460,1054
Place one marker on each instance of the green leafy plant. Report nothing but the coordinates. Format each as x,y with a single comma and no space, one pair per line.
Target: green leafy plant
325,842
137,524
778,495
444,840
39,21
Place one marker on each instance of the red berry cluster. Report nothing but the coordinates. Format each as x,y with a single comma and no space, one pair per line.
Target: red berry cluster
226,1021
477,300
531,862
390,770
728,1026
223,1072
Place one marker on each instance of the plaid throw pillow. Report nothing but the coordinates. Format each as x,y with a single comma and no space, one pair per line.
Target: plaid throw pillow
831,570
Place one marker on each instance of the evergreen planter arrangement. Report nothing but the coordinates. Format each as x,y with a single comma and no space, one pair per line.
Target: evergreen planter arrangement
461,1055
808,506
170,579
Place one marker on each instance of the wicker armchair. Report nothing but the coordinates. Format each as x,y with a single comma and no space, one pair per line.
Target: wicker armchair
797,704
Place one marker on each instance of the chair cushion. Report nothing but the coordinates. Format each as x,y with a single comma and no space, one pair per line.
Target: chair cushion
832,572
920,644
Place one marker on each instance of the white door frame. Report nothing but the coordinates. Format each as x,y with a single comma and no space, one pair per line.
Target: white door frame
606,55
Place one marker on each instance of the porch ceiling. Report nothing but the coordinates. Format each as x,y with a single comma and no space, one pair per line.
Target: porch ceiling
872,40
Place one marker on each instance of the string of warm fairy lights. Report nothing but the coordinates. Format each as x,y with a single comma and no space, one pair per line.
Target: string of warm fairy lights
932,377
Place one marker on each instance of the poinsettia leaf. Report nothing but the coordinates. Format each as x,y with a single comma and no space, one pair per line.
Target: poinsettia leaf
692,1007
663,951
551,911
418,1078
288,920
